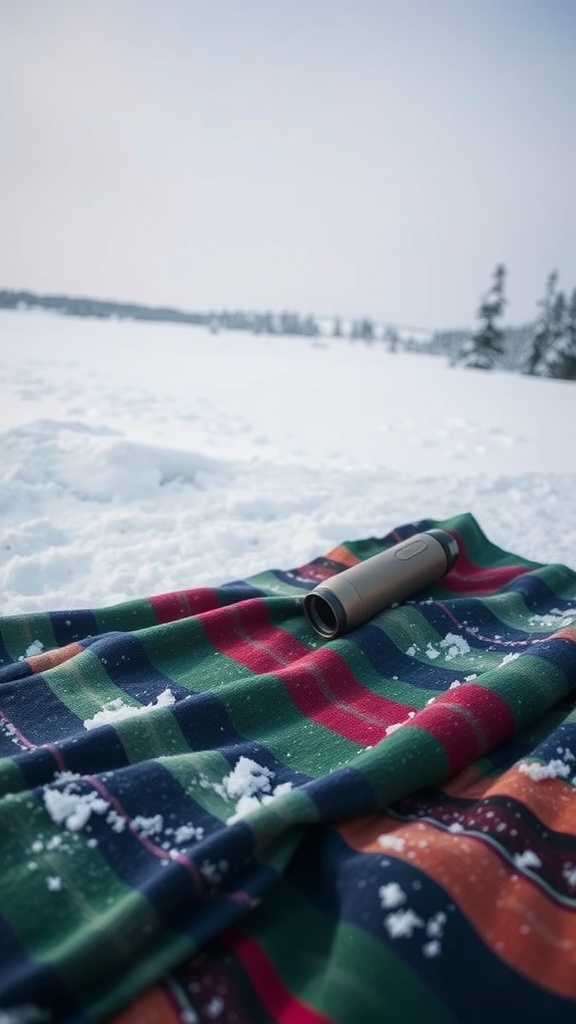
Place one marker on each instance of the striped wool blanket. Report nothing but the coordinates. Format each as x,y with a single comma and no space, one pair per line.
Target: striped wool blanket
209,814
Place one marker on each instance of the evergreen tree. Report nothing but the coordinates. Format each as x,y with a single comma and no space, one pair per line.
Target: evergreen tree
356,330
560,360
367,329
392,339
268,323
544,328
309,327
362,330
571,337
480,350
289,323
337,328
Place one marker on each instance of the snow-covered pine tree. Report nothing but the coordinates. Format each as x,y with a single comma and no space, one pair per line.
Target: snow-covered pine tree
356,331
392,339
543,329
367,330
560,360
481,349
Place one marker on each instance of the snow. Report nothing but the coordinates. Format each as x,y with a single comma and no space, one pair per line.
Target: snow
25,1014
36,647
527,859
187,833
247,778
401,924
554,769
249,786
72,809
555,618
391,843
435,926
116,710
139,458
456,645
508,658
432,948
569,873
213,873
214,1008
404,921
398,725
391,896
147,827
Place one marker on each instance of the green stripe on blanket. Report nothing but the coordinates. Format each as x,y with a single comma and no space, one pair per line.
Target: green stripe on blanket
195,786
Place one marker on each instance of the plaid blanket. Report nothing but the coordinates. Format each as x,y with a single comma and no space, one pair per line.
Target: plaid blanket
208,813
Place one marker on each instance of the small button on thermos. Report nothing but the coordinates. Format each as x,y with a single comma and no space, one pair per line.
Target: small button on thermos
356,595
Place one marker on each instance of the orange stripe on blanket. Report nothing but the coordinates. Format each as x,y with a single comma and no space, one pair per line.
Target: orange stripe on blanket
551,800
156,1006
343,556
50,659
513,917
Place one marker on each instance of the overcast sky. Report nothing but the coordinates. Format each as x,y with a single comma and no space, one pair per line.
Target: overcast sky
369,157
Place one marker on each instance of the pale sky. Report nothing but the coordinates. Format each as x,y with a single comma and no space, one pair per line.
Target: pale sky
369,157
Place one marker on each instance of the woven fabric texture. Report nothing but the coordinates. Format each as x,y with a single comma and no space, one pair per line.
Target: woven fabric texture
209,813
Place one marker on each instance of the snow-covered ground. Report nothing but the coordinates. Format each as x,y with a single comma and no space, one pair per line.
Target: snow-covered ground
137,458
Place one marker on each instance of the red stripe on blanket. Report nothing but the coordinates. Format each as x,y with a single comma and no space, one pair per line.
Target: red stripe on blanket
180,604
467,722
320,682
468,578
277,999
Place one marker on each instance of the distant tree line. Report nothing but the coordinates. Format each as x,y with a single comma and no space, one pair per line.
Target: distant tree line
285,323
546,347
550,347
68,306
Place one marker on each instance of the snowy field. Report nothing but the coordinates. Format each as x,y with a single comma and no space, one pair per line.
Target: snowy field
138,458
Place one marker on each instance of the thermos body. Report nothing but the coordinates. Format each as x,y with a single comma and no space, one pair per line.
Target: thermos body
356,595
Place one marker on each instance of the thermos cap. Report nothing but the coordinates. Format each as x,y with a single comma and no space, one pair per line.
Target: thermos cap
448,542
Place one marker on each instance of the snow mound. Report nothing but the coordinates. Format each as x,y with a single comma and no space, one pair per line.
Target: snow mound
93,464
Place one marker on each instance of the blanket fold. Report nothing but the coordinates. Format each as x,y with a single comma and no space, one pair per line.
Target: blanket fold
209,813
